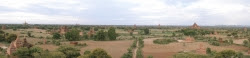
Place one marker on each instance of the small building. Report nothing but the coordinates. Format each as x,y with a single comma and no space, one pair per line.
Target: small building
91,32
63,29
245,29
3,27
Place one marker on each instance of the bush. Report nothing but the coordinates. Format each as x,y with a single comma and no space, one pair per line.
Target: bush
215,43
189,55
163,41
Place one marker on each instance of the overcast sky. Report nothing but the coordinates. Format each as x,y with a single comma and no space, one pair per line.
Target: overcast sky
126,12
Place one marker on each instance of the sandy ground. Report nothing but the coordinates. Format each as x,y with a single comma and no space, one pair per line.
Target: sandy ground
239,41
114,48
168,50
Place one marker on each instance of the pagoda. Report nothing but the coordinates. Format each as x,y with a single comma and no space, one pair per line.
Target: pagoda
195,26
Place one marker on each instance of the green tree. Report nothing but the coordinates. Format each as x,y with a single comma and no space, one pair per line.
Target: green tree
209,51
99,53
11,37
146,31
231,41
47,54
226,54
112,34
100,36
245,43
150,56
25,52
70,52
29,34
56,35
73,35
96,53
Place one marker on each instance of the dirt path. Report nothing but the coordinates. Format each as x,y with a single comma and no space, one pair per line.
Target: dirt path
137,45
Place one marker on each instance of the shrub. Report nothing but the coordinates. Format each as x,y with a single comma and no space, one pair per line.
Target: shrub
215,43
163,41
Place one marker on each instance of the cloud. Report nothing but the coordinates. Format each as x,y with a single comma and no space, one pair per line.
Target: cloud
127,12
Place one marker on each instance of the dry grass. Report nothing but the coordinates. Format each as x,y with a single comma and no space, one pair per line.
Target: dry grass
167,51
115,48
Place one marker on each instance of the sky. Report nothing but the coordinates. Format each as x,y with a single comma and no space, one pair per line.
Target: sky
126,12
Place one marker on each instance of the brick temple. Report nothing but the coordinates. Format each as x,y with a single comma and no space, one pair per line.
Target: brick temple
195,26
17,44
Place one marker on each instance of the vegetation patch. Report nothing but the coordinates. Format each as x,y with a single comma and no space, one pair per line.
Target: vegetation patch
164,41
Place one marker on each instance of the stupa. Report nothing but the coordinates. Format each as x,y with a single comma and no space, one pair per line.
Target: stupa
17,44
245,29
3,27
91,32
195,26
63,29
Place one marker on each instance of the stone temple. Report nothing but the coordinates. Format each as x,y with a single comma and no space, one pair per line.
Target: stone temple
3,27
63,29
17,44
195,26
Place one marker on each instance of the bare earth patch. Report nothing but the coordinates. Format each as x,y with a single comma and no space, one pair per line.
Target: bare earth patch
167,51
115,48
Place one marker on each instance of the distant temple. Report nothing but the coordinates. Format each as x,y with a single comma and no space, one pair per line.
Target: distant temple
195,26
91,32
159,25
245,29
25,23
134,26
63,29
17,44
3,27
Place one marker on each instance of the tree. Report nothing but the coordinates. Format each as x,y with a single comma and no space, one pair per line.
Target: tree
150,56
245,43
97,53
226,54
100,36
47,54
73,35
70,52
231,41
112,34
29,34
11,37
25,52
209,51
56,36
146,31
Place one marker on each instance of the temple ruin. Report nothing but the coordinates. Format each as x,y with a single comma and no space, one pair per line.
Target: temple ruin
17,44
63,29
245,29
134,26
195,26
3,27
25,23
91,32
